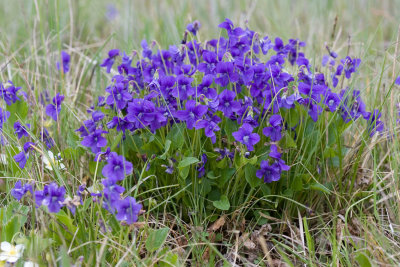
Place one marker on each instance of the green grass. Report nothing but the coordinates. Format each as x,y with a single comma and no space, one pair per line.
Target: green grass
355,223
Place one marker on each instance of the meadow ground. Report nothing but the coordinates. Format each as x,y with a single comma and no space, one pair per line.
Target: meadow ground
347,214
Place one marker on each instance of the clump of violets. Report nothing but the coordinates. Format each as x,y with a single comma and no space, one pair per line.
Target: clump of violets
209,86
205,110
126,209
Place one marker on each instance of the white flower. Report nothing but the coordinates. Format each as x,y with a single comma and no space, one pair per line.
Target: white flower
55,160
3,159
9,252
30,264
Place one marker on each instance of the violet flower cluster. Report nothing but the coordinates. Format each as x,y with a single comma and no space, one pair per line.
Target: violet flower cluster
204,85
54,196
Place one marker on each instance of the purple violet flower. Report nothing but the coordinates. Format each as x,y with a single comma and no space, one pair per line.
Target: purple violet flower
117,167
269,173
20,130
9,92
119,94
210,127
227,104
53,110
109,62
201,168
20,190
65,59
332,100
374,124
4,114
52,196
100,156
95,141
246,136
128,210
193,27
274,131
226,74
112,194
22,157
350,65
192,113
397,81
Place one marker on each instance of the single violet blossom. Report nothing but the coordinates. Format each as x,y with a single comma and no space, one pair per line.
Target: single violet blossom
109,62
20,190
51,196
246,136
65,59
20,130
274,131
95,141
53,110
191,114
117,167
128,210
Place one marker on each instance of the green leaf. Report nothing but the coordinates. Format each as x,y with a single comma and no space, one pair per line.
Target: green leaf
287,141
230,127
92,167
176,135
198,78
222,203
156,239
222,164
72,139
226,175
252,160
134,143
297,184
211,154
293,117
329,152
72,153
212,176
13,218
170,260
187,161
18,111
65,259
205,186
250,175
167,146
363,260
320,187
184,172
10,229
66,220
116,140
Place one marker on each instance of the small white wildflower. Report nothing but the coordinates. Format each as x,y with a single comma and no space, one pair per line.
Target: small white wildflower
10,253
3,159
55,160
30,264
